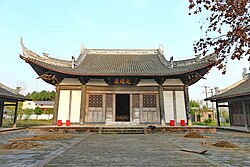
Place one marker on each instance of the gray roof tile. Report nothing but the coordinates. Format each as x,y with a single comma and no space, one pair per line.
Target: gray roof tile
119,62
8,93
241,88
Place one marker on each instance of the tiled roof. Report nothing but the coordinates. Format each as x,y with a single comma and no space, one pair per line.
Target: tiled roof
241,88
44,102
8,93
118,62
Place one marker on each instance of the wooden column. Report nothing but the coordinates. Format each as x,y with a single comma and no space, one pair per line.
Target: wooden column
83,105
70,104
174,106
160,81
56,105
83,81
1,112
230,114
186,94
245,113
162,114
218,113
15,115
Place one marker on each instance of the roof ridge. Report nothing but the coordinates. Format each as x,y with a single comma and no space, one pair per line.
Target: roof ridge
121,51
164,61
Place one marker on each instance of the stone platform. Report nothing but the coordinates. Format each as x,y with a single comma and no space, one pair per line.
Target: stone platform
125,129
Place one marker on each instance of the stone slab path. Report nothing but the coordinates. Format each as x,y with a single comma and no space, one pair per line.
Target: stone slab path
158,149
127,150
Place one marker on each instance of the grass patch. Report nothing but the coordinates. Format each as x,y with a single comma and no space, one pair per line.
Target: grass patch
26,123
210,124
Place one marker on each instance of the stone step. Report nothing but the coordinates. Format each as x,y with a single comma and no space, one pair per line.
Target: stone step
125,130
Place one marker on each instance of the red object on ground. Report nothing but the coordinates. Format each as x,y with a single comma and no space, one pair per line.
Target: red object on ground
67,122
171,122
183,123
59,122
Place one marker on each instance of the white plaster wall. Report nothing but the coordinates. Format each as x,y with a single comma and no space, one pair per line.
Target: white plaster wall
70,81
97,82
147,82
29,105
172,82
63,108
75,106
168,105
180,106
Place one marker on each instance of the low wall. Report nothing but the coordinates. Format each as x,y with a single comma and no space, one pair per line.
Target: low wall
39,117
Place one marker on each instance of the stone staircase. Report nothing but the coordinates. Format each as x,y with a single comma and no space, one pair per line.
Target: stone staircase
122,130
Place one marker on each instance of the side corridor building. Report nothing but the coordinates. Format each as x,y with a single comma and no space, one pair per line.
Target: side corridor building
237,96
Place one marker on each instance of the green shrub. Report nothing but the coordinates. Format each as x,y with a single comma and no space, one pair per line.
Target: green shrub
208,121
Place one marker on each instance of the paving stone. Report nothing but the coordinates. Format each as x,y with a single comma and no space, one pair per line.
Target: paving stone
161,149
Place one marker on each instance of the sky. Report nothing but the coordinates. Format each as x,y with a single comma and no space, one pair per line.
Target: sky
60,27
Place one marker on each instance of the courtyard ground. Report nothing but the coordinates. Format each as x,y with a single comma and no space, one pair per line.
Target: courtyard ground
93,149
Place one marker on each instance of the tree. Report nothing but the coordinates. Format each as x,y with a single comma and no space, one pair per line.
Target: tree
49,111
42,96
28,113
20,111
227,29
38,111
194,109
194,106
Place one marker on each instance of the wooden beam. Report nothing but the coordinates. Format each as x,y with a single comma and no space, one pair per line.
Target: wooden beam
173,88
56,105
83,105
218,113
223,105
15,115
9,104
1,112
117,88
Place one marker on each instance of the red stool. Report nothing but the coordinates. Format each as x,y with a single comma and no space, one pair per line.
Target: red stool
183,123
171,122
59,122
67,122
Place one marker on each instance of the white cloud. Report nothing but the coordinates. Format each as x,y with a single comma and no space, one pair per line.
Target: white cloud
142,4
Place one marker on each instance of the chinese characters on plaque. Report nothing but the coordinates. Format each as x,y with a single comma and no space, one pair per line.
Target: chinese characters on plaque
122,81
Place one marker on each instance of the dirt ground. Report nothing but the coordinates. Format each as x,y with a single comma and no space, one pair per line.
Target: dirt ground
27,142
22,145
194,135
56,136
225,144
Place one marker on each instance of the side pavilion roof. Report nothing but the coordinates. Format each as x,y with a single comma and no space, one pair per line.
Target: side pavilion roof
239,89
11,94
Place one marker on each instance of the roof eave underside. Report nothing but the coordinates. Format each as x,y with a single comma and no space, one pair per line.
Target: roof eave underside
12,99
